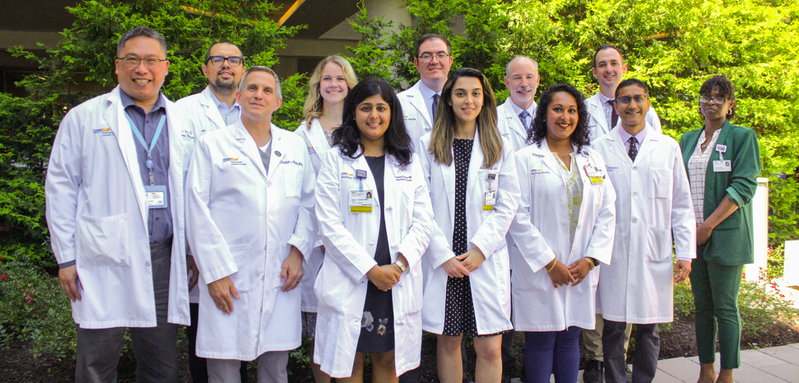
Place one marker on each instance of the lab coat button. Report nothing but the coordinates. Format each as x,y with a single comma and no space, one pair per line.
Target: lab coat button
147,264
635,220
269,184
635,194
635,167
262,277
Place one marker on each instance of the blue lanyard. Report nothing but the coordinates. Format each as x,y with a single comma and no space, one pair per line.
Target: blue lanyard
149,150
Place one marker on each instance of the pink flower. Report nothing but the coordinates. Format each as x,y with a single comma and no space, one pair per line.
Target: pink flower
769,249
29,300
4,277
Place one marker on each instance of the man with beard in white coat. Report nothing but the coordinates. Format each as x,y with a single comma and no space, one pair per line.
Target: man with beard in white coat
432,59
213,108
114,195
653,203
250,222
609,67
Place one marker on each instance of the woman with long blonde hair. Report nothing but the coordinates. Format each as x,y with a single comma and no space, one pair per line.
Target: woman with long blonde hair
330,83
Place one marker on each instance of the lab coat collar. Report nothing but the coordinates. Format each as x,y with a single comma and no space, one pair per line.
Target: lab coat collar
595,109
417,100
620,148
250,149
208,101
316,135
513,118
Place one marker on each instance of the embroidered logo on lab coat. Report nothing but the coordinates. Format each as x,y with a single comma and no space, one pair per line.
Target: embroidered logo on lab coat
233,161
106,132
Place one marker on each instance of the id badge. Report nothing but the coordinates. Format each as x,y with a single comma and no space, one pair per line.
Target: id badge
489,200
594,174
361,201
722,166
157,196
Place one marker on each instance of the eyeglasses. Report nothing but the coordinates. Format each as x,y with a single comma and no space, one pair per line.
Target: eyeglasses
639,98
218,60
428,57
133,62
717,100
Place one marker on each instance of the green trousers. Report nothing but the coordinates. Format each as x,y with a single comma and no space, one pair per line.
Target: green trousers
715,288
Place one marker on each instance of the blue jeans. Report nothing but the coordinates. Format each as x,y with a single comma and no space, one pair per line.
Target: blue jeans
550,352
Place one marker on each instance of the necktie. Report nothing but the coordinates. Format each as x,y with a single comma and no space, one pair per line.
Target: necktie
633,151
614,118
435,106
523,116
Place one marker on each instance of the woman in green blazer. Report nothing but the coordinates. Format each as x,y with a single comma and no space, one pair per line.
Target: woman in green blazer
722,161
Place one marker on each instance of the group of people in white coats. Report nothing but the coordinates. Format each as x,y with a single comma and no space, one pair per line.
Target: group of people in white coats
380,217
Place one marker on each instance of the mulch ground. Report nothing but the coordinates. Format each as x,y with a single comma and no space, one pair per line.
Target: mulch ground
18,365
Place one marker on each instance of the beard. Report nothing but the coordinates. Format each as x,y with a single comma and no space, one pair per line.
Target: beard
223,86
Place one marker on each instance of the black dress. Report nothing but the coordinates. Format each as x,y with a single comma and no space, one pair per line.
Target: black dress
459,309
377,323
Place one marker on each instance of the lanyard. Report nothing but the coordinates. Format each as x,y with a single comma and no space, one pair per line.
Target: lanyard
149,150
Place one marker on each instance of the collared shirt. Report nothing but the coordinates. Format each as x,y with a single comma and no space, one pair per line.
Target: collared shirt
159,221
531,110
266,155
230,114
427,96
625,137
608,109
697,169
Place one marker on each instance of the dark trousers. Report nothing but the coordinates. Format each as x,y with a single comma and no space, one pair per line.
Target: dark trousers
645,355
551,352
155,348
197,366
715,289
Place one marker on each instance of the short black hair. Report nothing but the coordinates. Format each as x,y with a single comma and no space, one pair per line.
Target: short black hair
725,88
223,41
580,135
140,31
607,46
431,36
629,82
397,141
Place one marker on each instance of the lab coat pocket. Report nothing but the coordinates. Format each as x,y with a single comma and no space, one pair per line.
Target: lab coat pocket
410,293
292,181
104,241
661,183
658,247
242,278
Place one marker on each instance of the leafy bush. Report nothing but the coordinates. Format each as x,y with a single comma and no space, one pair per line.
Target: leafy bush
33,308
761,304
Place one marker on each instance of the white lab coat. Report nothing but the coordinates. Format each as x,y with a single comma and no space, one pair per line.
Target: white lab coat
242,224
510,126
97,215
201,109
541,230
654,201
486,229
418,121
350,240
598,124
317,144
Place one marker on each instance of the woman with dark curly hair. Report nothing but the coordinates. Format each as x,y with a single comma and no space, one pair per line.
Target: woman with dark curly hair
564,227
721,194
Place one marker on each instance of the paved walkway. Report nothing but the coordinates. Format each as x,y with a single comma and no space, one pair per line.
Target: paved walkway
766,365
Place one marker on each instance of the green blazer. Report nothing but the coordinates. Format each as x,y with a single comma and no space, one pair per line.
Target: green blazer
732,240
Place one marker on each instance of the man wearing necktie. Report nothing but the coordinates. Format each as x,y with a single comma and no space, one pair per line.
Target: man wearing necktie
432,59
653,204
515,116
608,68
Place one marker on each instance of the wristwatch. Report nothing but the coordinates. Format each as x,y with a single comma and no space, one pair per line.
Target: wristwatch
400,265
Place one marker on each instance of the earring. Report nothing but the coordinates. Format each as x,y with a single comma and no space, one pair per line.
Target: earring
729,112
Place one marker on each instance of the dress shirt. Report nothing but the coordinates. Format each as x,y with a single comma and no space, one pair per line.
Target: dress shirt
230,114
625,137
531,110
159,221
608,109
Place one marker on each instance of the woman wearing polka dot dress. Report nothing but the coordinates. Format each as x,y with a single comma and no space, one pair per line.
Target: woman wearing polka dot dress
475,193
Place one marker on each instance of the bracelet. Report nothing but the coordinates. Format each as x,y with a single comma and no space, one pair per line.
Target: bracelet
553,265
590,262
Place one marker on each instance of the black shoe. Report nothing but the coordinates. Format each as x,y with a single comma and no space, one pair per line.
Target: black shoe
593,372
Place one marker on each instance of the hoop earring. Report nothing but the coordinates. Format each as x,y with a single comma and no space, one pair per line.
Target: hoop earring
729,112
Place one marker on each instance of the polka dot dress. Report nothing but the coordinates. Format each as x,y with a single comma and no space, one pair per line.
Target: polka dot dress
459,310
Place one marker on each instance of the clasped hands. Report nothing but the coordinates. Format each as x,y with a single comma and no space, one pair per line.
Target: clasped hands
561,274
461,265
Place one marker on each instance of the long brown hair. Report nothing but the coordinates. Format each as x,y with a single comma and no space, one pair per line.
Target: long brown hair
445,125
